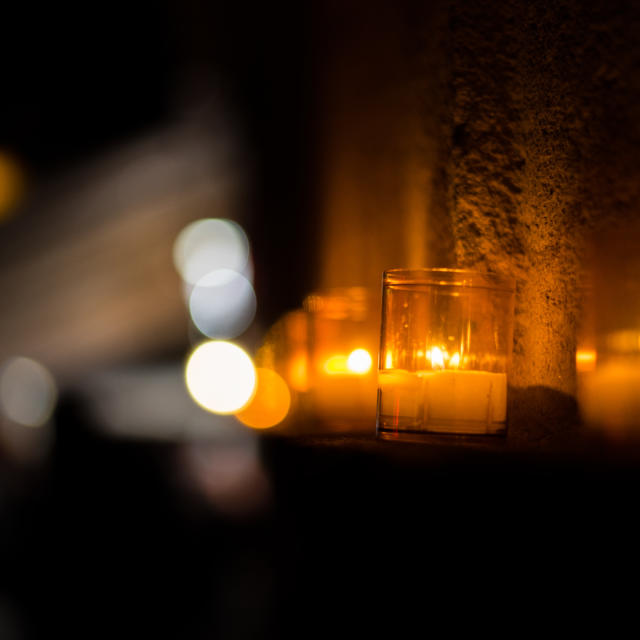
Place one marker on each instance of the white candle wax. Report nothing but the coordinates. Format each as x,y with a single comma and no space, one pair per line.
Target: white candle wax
437,400
465,396
403,394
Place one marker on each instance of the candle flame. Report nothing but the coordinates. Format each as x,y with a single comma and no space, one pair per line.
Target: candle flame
437,358
585,360
388,360
454,361
359,361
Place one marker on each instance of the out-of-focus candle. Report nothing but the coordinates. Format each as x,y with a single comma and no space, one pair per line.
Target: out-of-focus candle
343,337
608,334
610,396
344,390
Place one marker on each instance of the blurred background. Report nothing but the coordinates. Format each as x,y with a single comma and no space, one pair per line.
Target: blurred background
197,200
121,124
166,170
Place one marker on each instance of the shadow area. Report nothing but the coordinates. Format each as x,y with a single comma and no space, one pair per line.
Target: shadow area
539,416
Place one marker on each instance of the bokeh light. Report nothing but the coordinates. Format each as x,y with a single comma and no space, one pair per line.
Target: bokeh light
336,364
270,404
222,304
284,349
437,358
585,360
220,377
11,184
28,392
297,372
208,245
359,361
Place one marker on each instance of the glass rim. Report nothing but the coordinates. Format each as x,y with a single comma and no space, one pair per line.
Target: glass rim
450,277
338,302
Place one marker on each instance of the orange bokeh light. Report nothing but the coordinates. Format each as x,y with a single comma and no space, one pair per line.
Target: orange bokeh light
270,404
297,373
585,360
11,184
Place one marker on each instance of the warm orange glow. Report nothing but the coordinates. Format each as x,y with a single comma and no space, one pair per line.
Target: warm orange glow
454,361
297,373
336,364
437,358
11,184
359,361
270,403
388,361
585,360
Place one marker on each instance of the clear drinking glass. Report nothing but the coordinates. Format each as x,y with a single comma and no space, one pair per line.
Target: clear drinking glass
445,351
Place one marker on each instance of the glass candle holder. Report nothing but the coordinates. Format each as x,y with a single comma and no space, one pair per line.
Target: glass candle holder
445,351
284,351
343,339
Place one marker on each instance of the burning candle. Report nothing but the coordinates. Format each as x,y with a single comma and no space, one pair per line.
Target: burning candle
445,347
342,378
448,401
610,396
609,383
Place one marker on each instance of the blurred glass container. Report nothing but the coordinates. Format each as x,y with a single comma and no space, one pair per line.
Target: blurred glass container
284,350
343,344
445,351
608,342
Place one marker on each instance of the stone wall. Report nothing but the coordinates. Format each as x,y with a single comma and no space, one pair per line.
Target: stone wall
496,135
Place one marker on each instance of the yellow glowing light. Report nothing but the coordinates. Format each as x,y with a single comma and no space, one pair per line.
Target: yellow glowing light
437,358
270,404
220,377
585,360
208,245
388,360
454,361
336,364
27,392
359,361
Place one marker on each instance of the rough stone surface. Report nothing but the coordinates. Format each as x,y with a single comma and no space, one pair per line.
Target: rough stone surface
525,142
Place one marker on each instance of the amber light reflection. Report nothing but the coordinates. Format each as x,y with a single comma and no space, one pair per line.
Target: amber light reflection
585,360
270,404
358,362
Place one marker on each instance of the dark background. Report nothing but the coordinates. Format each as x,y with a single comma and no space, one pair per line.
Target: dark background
105,538
100,538
79,82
